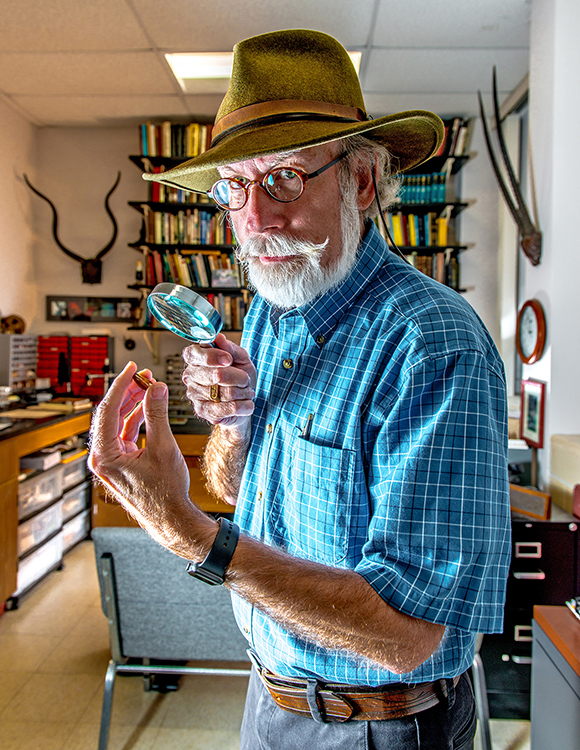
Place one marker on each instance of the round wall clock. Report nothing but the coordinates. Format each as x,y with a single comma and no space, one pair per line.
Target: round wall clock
531,331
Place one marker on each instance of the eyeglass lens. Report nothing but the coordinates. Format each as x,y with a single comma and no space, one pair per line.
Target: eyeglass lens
284,185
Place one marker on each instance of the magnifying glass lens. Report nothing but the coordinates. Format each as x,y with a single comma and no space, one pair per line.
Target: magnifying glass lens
184,312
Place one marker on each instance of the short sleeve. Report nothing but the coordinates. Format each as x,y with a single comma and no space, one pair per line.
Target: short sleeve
439,540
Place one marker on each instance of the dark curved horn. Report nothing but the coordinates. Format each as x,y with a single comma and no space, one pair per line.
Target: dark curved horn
530,227
505,192
54,222
111,242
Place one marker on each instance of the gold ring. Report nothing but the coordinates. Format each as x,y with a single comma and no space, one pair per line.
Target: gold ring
214,392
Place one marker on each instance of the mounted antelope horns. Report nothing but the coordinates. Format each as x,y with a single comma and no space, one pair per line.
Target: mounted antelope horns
91,268
531,236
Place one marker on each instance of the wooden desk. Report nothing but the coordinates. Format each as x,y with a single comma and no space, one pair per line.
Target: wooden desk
109,513
555,679
12,447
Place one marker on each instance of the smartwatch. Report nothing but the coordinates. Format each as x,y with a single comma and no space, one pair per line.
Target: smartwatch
213,569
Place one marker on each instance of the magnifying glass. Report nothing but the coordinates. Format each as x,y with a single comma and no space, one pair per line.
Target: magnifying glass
185,313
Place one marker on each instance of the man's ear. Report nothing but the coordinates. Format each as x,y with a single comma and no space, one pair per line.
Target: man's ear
366,190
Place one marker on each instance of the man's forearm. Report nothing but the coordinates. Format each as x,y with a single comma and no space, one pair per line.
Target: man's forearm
332,607
224,460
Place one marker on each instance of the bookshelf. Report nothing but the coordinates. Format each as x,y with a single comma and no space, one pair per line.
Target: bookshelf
184,237
424,223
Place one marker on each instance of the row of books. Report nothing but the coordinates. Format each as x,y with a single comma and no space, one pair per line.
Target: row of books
442,266
457,138
424,188
191,226
174,140
231,307
412,230
196,269
159,193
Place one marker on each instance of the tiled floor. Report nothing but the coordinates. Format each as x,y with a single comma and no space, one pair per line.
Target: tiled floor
53,656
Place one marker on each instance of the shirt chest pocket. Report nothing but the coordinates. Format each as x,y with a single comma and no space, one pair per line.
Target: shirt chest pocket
319,502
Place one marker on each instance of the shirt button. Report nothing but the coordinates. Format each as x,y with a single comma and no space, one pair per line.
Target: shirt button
269,429
259,497
247,631
320,339
287,364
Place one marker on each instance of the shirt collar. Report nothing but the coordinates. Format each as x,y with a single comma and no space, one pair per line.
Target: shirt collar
322,314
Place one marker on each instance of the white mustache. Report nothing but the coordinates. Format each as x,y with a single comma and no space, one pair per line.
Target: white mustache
279,246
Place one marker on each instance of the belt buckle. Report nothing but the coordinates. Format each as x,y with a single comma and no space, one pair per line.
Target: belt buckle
335,711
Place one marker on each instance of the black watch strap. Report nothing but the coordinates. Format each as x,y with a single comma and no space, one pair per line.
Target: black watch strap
213,569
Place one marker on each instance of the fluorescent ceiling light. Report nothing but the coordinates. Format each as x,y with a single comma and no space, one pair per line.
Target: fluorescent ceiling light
189,67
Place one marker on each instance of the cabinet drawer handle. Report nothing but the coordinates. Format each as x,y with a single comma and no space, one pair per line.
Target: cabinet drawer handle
522,659
523,633
529,549
529,575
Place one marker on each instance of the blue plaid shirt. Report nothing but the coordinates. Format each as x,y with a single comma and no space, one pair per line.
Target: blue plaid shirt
401,471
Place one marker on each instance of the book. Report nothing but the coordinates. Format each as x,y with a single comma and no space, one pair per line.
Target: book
397,220
442,231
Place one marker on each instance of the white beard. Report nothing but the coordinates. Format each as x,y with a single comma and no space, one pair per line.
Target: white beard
298,281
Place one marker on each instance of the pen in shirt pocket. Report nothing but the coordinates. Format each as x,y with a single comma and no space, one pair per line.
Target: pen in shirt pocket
306,430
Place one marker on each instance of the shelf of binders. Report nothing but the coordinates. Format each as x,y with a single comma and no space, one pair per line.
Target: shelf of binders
185,224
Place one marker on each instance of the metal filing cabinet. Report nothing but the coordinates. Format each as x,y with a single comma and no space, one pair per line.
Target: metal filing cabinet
18,361
544,570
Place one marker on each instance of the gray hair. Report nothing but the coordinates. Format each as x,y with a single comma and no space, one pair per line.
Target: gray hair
362,151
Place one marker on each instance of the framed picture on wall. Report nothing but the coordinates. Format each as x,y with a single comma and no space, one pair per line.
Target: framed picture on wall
92,309
532,413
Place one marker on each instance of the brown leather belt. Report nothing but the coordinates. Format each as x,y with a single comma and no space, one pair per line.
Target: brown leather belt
355,702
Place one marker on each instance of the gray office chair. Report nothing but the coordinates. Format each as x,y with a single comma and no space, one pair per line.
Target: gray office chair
480,692
156,612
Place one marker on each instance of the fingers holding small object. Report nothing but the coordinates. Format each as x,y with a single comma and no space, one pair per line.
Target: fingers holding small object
214,392
142,380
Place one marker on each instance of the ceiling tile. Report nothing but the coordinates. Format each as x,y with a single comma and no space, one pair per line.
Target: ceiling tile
453,23
69,25
445,104
216,25
100,110
440,71
104,111
60,73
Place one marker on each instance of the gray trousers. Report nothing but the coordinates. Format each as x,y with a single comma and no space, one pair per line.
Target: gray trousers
448,726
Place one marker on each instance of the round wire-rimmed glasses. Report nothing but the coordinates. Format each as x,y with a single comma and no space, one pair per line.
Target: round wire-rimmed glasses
283,184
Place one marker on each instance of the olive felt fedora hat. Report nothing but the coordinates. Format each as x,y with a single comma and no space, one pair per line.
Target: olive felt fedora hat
290,90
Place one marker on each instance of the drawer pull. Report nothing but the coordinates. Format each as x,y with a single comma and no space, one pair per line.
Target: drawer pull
529,575
523,633
529,549
522,659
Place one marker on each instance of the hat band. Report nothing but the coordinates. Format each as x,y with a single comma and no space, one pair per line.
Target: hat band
283,110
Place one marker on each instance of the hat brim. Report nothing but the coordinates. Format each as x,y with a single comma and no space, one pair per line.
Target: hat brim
410,137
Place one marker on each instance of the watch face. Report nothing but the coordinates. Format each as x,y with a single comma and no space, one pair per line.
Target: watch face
528,332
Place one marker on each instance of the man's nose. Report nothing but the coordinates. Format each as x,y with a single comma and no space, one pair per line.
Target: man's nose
261,211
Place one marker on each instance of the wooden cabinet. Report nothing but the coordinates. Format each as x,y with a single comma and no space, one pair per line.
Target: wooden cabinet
12,448
107,512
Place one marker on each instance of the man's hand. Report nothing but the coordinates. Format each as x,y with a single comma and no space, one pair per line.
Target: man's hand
228,367
150,483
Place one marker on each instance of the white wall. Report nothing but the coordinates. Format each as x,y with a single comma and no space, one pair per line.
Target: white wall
554,117
479,226
17,155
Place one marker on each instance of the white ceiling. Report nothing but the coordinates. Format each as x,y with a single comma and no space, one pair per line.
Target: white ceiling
101,62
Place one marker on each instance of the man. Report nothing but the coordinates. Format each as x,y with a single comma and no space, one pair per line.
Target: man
360,429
